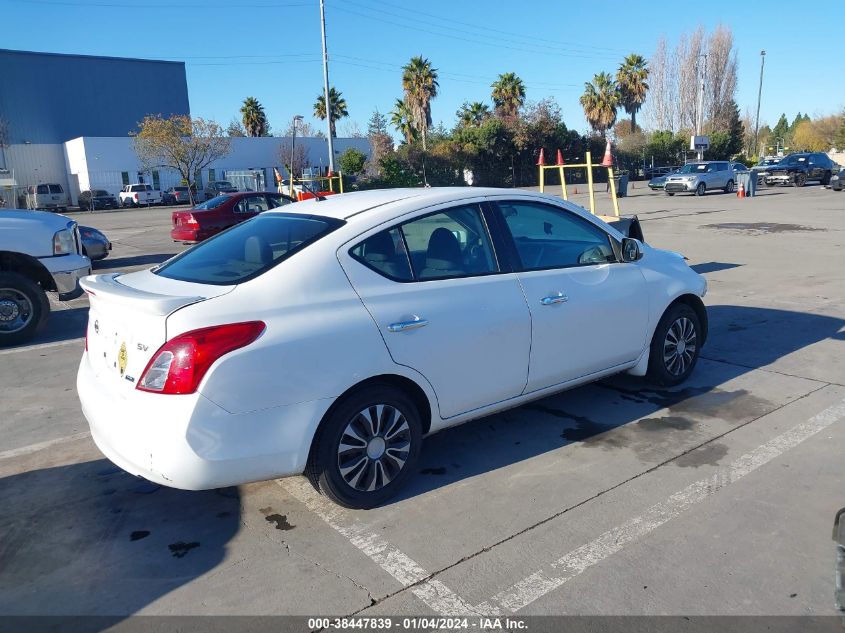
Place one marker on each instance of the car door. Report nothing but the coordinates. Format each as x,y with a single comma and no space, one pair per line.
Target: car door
589,311
444,305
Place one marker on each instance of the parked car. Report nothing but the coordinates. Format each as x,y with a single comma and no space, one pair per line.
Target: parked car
95,245
837,180
46,196
216,187
221,212
658,182
799,168
761,169
701,177
329,336
177,195
90,200
39,253
139,195
739,168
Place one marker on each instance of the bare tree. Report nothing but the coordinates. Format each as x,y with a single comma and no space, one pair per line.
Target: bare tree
303,129
688,54
660,111
300,158
720,87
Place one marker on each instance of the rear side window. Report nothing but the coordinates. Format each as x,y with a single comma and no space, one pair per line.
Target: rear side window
248,249
385,253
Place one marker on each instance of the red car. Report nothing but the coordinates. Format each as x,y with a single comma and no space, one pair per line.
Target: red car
221,212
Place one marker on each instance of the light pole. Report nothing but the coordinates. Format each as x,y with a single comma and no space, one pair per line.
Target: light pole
326,84
296,118
759,94
700,117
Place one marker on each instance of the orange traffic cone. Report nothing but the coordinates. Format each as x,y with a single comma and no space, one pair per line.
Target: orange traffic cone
541,160
740,193
559,158
607,161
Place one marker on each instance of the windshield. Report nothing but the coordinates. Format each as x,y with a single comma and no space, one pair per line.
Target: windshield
100,192
248,249
213,203
222,185
693,168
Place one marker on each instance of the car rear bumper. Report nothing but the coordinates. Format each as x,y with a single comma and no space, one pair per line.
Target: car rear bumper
188,442
186,234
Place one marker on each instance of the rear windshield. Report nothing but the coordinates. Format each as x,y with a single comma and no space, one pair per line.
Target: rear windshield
248,249
100,192
213,203
56,189
180,188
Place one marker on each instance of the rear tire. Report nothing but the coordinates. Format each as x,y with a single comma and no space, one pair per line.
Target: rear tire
381,430
670,359
23,308
670,193
826,178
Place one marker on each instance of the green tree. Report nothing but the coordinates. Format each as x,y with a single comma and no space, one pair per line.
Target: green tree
840,136
508,94
377,124
474,113
253,117
352,161
631,79
781,130
419,81
337,105
600,100
402,118
665,148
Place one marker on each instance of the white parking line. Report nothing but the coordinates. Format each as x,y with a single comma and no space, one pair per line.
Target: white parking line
40,446
572,564
402,567
35,348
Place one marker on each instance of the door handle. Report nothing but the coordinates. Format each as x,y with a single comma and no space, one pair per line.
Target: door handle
403,326
553,299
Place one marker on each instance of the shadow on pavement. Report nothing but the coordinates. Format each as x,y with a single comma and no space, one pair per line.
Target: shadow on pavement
90,539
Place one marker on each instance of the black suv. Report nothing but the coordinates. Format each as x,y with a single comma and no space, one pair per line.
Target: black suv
796,169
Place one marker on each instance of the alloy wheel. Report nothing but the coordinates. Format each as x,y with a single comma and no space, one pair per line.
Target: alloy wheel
679,346
374,447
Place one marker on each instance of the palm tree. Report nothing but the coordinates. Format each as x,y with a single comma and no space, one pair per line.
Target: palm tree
402,119
600,100
338,108
419,81
253,117
474,114
631,77
508,94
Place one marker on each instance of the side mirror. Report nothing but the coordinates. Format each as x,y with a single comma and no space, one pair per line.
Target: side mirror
631,250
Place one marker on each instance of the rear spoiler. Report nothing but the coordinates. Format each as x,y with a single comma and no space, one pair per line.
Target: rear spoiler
108,287
629,227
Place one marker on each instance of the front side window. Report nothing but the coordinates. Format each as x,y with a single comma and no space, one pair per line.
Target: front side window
43,189
548,237
247,250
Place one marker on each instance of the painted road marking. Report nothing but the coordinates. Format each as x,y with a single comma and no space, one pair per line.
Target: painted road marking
34,448
35,348
575,562
390,558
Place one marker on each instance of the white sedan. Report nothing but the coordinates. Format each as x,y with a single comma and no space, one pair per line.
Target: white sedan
330,337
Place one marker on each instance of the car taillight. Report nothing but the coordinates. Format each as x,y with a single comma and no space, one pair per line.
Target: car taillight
191,220
180,364
136,196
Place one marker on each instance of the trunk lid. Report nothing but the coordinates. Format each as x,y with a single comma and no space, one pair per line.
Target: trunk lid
127,321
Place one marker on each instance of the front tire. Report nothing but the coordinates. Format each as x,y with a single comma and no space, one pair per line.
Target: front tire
675,346
701,189
23,308
366,448
799,180
729,188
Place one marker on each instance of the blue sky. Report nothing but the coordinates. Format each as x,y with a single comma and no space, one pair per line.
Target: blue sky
270,49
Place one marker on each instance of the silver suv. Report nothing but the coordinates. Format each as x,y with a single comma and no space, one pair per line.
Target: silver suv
699,178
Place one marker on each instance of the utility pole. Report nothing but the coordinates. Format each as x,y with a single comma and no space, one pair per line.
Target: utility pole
759,94
700,118
326,85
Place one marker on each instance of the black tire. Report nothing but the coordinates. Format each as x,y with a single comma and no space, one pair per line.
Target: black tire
799,180
826,178
23,308
324,469
661,368
670,193
729,188
701,189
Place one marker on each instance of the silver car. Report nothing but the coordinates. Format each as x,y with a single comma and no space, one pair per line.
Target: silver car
699,178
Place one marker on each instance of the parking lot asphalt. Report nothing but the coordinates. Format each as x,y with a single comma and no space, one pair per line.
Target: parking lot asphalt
716,497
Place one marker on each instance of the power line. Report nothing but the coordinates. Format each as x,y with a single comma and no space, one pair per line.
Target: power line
252,4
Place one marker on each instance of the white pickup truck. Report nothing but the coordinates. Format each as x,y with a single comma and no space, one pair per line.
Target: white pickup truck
139,195
40,252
